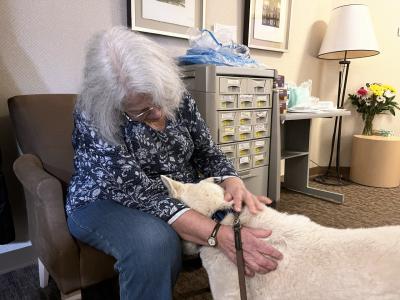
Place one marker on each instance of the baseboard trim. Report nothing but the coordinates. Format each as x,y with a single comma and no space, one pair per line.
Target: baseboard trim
17,259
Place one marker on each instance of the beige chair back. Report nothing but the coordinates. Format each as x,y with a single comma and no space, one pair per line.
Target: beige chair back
43,125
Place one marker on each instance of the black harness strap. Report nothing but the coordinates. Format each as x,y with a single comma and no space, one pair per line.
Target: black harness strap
239,256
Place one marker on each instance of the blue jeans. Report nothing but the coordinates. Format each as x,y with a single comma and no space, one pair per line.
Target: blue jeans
147,249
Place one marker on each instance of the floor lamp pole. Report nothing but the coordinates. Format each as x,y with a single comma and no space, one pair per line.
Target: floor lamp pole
328,177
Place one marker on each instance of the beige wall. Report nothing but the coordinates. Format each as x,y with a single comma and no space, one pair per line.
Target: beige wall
42,49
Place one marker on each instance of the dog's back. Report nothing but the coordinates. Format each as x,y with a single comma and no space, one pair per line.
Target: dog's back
319,262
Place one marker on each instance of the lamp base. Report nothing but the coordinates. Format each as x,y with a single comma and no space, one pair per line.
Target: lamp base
332,179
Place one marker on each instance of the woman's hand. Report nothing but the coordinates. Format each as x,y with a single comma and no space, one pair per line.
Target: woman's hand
236,191
259,257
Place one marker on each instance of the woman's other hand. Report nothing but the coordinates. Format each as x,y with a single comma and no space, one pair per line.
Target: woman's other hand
236,191
259,256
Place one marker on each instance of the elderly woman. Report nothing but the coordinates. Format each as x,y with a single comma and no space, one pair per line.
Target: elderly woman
133,123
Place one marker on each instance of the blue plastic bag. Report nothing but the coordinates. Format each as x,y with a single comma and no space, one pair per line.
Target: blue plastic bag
206,49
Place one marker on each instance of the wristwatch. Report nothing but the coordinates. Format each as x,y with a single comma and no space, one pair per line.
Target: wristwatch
212,240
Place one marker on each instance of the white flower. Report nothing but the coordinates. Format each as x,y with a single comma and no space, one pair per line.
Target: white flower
380,99
388,94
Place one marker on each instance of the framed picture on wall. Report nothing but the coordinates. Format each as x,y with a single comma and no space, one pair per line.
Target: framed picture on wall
266,24
166,17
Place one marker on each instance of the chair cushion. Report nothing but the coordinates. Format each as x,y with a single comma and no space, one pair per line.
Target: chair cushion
43,125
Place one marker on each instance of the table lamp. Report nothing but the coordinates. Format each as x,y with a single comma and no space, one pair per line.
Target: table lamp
349,35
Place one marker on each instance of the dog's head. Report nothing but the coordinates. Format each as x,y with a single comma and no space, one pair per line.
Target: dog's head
206,197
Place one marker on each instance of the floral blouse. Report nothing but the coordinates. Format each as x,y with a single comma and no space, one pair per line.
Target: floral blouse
130,173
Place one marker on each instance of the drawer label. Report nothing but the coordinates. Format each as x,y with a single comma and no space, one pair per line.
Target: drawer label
261,114
244,160
245,115
229,130
227,149
227,116
246,97
227,98
244,146
233,82
259,157
259,143
245,128
260,127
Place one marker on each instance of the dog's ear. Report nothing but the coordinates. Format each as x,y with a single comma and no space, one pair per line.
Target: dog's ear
175,188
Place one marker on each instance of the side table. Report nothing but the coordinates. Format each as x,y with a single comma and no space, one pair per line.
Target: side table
375,161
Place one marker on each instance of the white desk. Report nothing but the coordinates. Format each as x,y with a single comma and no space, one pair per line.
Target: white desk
293,144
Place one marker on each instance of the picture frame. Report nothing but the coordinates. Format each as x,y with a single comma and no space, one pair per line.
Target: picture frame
166,17
267,24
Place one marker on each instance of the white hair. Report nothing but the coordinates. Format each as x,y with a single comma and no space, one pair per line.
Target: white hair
119,63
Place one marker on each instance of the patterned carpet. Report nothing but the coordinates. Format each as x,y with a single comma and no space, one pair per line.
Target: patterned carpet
363,207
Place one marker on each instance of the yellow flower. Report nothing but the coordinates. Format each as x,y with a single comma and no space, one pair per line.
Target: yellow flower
389,87
376,89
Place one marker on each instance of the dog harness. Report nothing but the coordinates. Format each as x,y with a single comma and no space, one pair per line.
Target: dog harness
218,216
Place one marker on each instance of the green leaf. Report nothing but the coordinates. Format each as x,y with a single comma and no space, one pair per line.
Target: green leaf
392,111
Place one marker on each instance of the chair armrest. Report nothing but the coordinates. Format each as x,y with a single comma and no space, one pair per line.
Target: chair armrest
48,228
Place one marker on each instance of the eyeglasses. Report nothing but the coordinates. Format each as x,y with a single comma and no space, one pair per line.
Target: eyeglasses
143,114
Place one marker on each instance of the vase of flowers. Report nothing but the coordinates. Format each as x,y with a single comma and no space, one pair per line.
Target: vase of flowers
374,99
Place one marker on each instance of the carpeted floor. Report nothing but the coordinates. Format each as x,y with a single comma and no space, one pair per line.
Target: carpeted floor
363,207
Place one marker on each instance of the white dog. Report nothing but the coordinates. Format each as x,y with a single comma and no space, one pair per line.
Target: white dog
318,263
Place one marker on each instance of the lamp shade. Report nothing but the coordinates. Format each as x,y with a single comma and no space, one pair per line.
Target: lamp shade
350,34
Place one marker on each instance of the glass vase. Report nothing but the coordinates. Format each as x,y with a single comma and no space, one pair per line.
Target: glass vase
368,125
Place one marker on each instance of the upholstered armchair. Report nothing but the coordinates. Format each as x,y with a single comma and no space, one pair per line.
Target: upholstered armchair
43,126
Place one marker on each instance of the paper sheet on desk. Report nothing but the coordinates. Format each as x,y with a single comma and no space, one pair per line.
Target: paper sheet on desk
312,110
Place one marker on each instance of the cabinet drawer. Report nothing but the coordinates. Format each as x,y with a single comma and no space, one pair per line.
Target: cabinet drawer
244,118
226,119
231,85
243,149
259,160
262,101
260,146
245,101
228,150
227,101
261,117
257,86
243,133
260,130
226,134
243,163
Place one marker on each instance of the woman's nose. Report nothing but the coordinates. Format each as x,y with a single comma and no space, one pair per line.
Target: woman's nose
155,114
